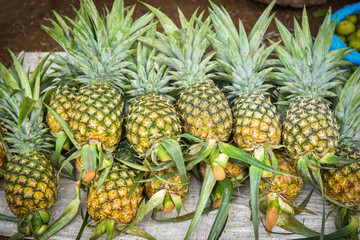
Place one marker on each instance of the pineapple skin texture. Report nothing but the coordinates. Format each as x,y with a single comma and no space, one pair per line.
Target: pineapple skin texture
111,201
255,121
30,184
150,118
154,186
61,102
205,112
342,182
3,159
309,126
97,115
286,186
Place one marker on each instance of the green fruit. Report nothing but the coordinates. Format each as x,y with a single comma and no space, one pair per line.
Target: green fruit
352,18
357,26
345,28
357,34
351,37
355,43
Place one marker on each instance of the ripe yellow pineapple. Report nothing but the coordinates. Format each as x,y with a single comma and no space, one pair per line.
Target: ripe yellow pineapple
342,181
203,108
282,192
152,118
30,180
98,58
307,76
112,200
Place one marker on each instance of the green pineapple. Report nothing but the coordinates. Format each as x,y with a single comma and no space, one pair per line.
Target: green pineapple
308,77
98,51
30,180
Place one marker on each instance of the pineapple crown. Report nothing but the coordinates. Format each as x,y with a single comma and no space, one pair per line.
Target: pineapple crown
97,48
149,76
21,108
308,68
241,57
184,50
347,111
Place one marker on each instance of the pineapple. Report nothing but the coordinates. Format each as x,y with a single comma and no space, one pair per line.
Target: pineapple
282,192
152,117
98,51
203,108
61,102
342,181
112,200
30,180
242,61
308,77
3,159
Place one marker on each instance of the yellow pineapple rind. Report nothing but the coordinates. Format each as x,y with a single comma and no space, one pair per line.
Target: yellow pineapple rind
154,186
112,200
30,184
255,121
310,127
205,112
342,181
151,117
97,116
286,186
61,102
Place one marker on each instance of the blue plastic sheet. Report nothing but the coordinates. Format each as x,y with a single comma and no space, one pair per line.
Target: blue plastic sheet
341,14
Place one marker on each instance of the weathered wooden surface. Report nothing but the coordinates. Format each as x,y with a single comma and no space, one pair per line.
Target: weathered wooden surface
238,227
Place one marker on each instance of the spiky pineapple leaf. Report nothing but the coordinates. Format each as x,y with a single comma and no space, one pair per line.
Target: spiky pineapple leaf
207,187
223,213
174,150
63,125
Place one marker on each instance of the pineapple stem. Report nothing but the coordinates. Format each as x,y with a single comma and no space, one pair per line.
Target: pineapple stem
272,212
163,154
217,195
218,164
168,204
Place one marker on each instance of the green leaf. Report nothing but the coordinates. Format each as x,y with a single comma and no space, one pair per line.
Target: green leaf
255,177
25,109
103,176
223,213
207,187
24,81
8,218
64,126
136,231
60,140
174,150
184,217
66,217
236,153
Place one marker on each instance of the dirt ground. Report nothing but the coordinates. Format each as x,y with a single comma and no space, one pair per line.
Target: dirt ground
20,20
